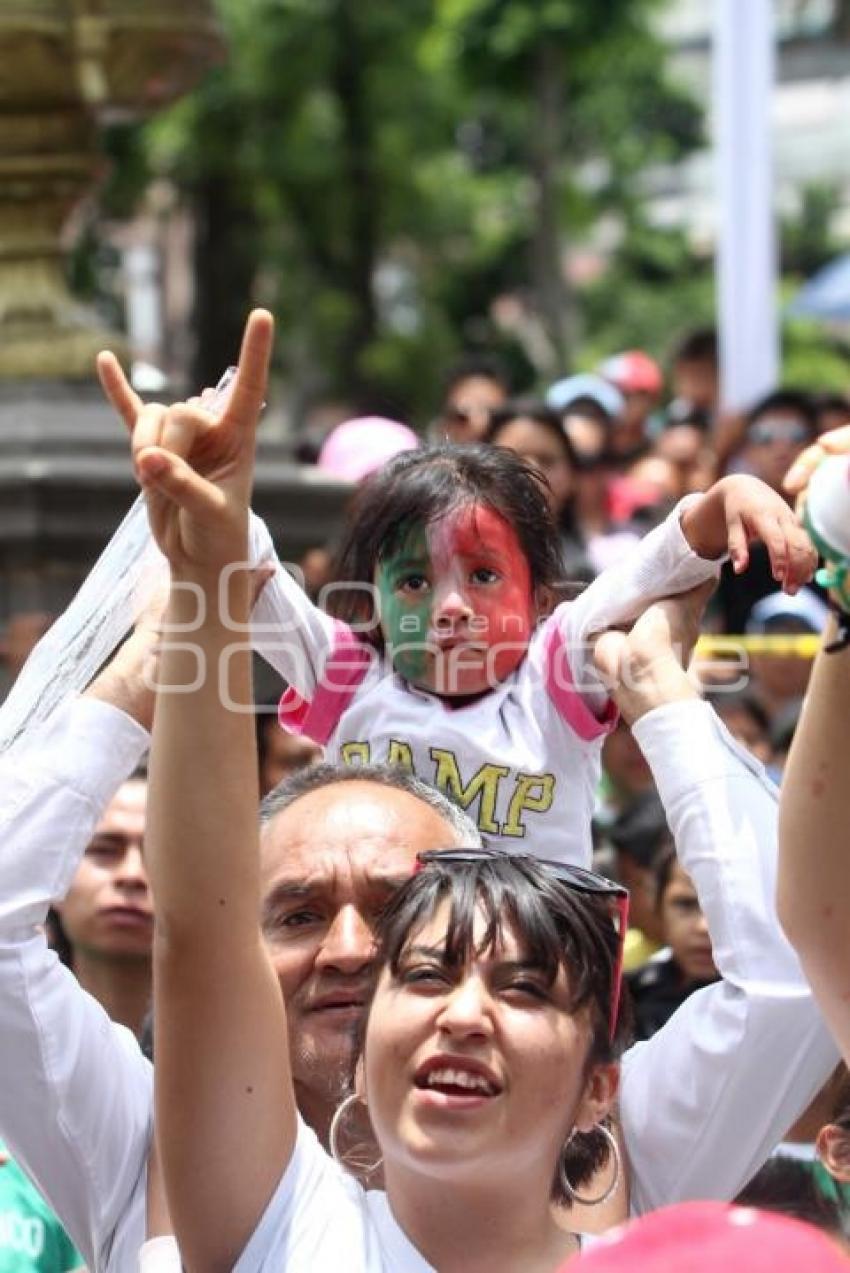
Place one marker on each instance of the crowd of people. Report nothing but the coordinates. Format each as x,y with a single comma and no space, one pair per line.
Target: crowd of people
503,961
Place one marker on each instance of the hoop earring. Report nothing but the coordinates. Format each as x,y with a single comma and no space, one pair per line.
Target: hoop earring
618,1166
340,1112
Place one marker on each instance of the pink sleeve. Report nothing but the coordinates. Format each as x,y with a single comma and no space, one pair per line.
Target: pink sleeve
344,670
562,690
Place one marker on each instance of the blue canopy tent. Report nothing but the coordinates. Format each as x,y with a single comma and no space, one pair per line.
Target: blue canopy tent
826,295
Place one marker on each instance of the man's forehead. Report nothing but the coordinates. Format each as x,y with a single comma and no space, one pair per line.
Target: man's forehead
351,828
127,806
334,872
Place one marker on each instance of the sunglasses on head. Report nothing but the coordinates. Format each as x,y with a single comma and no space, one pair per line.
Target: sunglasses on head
574,877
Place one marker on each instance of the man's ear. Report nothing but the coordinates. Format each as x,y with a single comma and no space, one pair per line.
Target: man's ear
833,1149
600,1093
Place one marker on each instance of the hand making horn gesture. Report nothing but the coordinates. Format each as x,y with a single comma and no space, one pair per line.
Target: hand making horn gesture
194,464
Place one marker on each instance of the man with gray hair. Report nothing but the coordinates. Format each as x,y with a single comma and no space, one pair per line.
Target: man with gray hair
76,1102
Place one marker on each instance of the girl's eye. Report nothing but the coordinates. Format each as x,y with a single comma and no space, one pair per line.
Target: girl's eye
484,574
413,583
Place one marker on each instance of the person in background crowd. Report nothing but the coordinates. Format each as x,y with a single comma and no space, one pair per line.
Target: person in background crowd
779,679
105,920
625,774
533,431
832,1144
807,1176
472,391
686,964
833,411
686,447
639,836
31,1238
746,719
588,406
786,1186
778,428
638,378
695,379
280,753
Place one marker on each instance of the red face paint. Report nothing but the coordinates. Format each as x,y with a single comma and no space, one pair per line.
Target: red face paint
470,590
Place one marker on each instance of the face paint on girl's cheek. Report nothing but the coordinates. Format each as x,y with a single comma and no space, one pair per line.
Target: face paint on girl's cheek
504,611
406,617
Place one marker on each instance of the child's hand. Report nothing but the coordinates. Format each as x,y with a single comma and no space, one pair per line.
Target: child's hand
196,468
740,509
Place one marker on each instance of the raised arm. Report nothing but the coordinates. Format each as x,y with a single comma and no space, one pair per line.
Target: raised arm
76,1100
742,1058
814,824
224,1099
680,554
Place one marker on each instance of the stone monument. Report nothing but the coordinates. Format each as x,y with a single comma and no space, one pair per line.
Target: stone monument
66,67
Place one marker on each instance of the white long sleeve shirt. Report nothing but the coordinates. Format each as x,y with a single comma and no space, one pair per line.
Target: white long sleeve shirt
702,1103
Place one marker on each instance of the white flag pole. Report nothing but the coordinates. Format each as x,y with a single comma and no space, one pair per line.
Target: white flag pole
744,61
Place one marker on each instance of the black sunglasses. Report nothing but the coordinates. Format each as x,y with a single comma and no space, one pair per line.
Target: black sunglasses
575,877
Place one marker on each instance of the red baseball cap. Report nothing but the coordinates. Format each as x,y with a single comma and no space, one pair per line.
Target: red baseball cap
712,1237
633,371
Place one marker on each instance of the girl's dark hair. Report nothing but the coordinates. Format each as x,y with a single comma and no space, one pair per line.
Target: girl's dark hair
419,487
558,928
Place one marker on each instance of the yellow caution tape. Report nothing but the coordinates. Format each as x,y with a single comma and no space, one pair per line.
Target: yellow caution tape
803,645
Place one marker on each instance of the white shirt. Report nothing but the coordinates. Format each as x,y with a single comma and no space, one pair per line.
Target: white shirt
702,1103
524,758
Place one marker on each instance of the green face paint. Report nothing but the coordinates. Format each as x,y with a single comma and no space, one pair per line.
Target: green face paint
402,580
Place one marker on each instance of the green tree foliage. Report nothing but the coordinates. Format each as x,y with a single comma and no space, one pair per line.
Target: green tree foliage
381,173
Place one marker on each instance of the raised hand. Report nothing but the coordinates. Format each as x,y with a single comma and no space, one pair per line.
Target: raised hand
755,511
196,467
739,509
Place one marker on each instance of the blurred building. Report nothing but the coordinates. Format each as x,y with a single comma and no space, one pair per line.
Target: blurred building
811,111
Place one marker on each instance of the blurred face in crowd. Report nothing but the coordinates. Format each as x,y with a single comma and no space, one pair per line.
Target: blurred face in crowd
695,380
773,443
624,763
469,405
108,912
639,406
330,862
658,476
685,928
746,730
640,881
684,446
537,446
780,678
